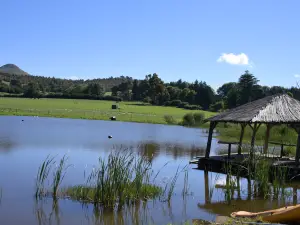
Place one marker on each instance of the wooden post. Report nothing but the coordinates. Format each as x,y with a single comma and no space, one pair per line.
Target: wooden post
266,145
206,187
298,149
295,196
255,128
297,129
281,150
210,133
238,187
249,192
241,138
229,150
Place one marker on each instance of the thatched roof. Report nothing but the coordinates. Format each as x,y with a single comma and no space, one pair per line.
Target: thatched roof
272,109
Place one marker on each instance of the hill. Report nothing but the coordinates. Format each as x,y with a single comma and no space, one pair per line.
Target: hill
12,69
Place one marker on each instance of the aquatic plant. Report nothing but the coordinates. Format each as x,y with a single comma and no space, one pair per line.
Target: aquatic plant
58,175
43,173
121,178
42,176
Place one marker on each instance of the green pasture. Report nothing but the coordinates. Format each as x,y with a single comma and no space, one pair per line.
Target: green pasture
91,109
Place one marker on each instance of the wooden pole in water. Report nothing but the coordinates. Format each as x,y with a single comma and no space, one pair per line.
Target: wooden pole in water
249,188
241,138
266,145
295,196
206,187
210,133
238,187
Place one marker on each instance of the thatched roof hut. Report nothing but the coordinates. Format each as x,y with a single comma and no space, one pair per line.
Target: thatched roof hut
281,109
271,110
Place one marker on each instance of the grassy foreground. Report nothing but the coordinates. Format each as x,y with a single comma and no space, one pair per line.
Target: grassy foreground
91,109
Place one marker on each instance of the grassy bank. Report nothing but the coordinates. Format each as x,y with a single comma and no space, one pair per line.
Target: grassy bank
92,109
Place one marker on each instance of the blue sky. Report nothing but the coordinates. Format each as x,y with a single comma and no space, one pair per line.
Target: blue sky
213,41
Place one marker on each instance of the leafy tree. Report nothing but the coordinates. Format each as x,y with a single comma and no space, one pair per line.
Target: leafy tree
32,90
174,92
230,101
217,107
136,93
225,88
246,85
95,89
204,95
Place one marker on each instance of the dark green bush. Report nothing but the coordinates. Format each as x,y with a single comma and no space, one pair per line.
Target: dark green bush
183,105
217,107
188,119
193,119
199,118
193,107
167,103
147,100
175,103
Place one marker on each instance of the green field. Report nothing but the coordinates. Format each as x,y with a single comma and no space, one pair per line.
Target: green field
91,109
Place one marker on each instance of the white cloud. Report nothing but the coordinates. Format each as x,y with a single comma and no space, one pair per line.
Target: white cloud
234,59
297,75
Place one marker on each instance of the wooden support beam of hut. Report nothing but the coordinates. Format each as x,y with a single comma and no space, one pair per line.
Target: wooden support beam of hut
210,133
254,129
243,125
297,157
266,145
298,149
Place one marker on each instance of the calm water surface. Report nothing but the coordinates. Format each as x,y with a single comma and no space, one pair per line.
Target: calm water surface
25,144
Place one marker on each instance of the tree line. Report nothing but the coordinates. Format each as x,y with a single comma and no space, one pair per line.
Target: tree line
152,89
197,94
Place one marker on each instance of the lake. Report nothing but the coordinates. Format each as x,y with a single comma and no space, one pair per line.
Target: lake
26,141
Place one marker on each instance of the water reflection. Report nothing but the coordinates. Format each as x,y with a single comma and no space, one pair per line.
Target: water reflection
139,213
221,198
152,150
42,217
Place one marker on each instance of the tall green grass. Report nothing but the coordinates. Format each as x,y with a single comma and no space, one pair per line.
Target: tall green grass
42,175
59,174
44,170
121,178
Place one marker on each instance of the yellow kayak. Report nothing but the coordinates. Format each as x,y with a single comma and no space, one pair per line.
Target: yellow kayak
281,215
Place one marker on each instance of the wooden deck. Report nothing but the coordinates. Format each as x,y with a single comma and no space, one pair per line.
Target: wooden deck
237,161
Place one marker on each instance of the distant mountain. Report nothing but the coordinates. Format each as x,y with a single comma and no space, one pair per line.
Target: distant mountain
12,69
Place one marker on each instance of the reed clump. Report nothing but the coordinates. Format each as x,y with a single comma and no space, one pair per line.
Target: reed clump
44,170
122,178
